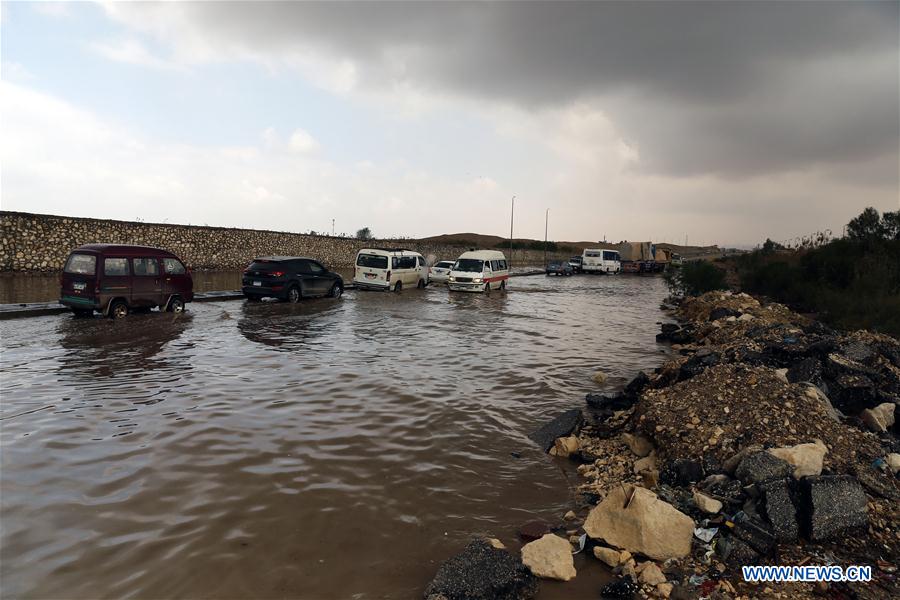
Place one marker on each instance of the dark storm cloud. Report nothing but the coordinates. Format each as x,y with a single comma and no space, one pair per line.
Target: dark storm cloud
729,88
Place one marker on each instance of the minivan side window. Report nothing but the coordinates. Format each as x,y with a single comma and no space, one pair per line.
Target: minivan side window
145,266
406,262
173,266
495,265
81,264
502,265
115,266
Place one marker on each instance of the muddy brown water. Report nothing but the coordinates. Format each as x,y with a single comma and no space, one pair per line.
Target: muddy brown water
331,449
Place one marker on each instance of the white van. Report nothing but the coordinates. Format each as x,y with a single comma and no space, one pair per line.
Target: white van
389,269
600,261
479,271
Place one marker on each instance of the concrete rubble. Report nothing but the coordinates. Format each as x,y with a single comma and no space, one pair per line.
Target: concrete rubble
549,557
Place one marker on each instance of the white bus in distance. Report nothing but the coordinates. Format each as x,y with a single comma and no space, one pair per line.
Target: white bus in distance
600,261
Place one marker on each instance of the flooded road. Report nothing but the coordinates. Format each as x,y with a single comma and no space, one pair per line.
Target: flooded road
331,449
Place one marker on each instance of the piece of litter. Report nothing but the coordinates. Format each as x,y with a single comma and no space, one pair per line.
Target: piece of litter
705,534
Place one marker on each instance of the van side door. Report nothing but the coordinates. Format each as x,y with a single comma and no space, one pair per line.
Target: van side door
146,284
176,280
114,275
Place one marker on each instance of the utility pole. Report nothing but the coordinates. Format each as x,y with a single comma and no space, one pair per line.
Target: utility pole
512,212
332,228
546,221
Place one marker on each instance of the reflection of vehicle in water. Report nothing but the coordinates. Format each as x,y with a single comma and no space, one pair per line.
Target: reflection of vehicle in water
286,326
389,269
600,261
289,278
97,348
479,271
115,279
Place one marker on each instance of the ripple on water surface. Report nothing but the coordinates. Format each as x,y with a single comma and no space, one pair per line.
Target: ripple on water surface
330,449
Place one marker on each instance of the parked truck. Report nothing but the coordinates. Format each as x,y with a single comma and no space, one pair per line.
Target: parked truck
638,257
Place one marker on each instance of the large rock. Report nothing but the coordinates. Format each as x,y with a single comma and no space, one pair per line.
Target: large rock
880,418
779,509
481,572
564,447
648,525
834,505
706,504
549,557
638,444
762,466
561,426
805,458
637,385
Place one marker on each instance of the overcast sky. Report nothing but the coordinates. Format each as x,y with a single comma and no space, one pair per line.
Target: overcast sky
723,122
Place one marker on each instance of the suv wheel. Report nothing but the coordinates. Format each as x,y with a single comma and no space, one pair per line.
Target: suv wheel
336,291
118,310
293,294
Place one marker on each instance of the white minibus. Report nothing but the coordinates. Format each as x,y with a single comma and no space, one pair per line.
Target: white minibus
600,261
479,271
389,269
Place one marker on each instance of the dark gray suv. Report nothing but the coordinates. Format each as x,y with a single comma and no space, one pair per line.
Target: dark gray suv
289,278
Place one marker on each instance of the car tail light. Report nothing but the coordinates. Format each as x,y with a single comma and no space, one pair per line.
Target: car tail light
277,273
389,276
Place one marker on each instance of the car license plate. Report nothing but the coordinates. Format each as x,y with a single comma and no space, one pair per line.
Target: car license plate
370,275
257,283
78,286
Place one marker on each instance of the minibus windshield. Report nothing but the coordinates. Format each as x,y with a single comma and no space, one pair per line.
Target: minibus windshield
373,261
469,265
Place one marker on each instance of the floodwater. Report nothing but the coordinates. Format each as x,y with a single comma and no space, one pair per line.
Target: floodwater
331,449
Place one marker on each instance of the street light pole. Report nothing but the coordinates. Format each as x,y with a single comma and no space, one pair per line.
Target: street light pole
546,221
512,211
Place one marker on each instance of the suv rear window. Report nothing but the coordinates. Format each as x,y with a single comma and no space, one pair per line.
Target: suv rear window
373,261
81,264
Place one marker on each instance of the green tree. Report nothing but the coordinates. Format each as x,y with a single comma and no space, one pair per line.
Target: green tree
890,225
364,234
866,226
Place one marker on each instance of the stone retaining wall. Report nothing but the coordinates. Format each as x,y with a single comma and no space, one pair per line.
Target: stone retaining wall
30,242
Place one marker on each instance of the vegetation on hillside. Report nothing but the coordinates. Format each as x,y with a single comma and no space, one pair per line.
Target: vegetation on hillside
694,278
851,282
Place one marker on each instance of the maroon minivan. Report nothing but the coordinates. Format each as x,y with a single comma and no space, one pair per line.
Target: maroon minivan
114,280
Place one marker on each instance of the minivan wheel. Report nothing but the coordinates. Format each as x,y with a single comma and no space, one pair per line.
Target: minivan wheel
336,291
293,294
118,310
176,305
487,288
421,284
398,287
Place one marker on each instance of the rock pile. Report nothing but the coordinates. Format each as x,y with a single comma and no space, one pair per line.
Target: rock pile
768,439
